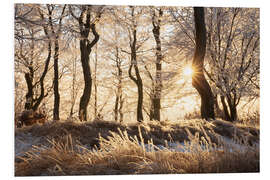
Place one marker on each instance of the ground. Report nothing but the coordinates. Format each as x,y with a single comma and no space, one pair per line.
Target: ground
101,147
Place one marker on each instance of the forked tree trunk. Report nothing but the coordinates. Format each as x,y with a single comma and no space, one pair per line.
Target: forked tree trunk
86,48
229,109
42,90
138,79
198,80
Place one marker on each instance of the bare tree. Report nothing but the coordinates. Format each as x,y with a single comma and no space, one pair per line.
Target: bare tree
29,57
155,112
55,35
233,50
198,80
85,25
134,65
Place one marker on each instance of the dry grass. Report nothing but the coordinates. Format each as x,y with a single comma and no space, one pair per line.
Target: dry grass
119,149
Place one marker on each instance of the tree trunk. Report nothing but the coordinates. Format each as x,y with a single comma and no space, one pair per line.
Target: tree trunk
85,48
230,109
138,79
55,82
140,100
73,94
198,80
120,108
225,109
56,58
29,96
87,81
138,82
42,91
151,116
158,80
95,82
116,108
29,78
218,111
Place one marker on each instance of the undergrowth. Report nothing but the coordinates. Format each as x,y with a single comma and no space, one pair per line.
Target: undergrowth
110,148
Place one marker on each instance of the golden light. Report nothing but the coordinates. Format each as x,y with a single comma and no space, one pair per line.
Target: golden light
188,71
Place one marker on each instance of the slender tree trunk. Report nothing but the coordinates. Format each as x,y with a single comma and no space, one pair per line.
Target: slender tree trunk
86,48
138,79
233,113
140,100
73,94
225,109
116,108
55,35
29,78
42,91
198,80
229,109
218,111
138,82
29,96
118,99
158,80
151,116
87,81
120,108
95,83
55,81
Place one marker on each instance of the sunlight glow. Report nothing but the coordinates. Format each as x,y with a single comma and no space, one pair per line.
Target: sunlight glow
188,71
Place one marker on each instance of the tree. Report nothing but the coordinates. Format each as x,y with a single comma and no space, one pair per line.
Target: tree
233,51
198,79
155,113
85,25
119,100
55,34
134,65
30,19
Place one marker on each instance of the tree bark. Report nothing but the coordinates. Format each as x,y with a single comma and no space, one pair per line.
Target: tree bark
87,82
56,59
55,82
138,79
225,109
158,81
118,99
42,91
29,96
85,48
229,109
198,80
120,108
95,82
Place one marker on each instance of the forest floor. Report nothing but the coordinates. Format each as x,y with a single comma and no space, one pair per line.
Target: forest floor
102,147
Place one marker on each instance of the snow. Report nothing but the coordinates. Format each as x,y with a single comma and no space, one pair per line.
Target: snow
24,142
226,142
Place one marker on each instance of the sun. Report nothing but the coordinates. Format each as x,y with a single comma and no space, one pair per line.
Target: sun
188,71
